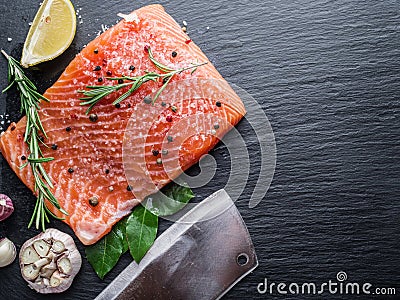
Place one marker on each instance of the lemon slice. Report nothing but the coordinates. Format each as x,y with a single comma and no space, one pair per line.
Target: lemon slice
51,33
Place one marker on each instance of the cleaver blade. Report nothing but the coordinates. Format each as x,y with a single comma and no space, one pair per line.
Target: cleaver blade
201,256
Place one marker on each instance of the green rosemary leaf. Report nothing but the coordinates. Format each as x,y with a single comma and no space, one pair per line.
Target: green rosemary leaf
94,93
30,105
40,160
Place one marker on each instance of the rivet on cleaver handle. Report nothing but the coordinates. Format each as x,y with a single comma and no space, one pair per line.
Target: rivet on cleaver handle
201,256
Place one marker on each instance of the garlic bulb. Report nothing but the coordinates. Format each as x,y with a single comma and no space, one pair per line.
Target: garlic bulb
7,252
50,261
6,207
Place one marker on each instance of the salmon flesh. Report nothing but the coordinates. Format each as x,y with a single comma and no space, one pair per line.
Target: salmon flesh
94,150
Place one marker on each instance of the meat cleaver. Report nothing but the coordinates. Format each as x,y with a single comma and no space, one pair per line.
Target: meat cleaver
201,256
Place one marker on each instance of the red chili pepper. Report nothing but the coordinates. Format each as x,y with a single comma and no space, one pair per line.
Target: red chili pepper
188,42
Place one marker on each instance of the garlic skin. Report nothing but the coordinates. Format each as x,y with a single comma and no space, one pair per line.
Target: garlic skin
50,261
6,207
7,252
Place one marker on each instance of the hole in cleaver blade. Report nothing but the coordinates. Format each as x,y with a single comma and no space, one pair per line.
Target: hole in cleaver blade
201,256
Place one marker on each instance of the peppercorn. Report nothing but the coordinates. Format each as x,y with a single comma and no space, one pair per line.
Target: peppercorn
164,152
218,103
118,105
97,68
107,171
163,104
70,170
120,81
170,139
68,129
109,73
174,54
23,157
155,152
96,51
216,126
54,146
159,161
100,79
129,188
94,201
173,108
132,68
93,117
147,100
165,79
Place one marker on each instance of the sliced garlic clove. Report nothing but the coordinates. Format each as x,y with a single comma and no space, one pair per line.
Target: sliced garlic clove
30,272
41,247
55,279
64,265
41,262
57,246
48,270
29,255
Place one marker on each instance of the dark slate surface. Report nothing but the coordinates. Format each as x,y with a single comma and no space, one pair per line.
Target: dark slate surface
327,75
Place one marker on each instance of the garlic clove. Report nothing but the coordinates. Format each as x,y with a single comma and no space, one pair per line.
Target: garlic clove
30,272
48,270
55,279
41,247
6,207
64,265
29,255
41,263
58,246
7,252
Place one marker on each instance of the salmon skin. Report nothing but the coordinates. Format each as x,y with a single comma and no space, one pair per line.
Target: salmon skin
94,150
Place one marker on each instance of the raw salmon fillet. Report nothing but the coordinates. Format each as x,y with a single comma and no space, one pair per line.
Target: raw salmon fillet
94,150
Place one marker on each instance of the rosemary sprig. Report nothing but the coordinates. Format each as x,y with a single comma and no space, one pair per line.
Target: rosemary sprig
94,93
30,100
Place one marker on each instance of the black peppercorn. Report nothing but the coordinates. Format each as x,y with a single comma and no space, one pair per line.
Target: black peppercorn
118,105
70,170
100,79
23,157
120,81
163,104
97,68
68,129
132,68
156,152
129,188
216,126
218,104
109,73
170,139
107,171
147,100
96,51
54,146
93,117
174,54
94,201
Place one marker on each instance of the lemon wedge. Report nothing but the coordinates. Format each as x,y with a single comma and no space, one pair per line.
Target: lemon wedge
51,33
